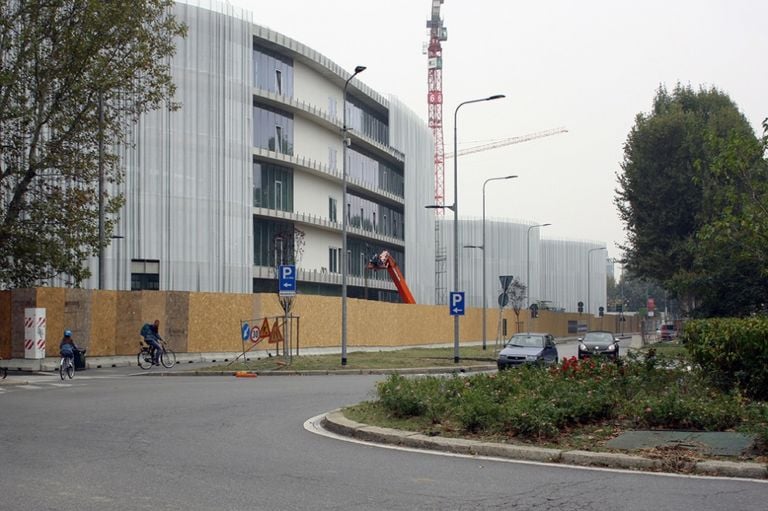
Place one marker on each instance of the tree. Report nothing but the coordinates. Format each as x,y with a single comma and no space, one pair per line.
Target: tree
516,293
75,75
680,173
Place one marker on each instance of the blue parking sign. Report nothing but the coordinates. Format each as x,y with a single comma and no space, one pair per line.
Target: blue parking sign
287,280
456,303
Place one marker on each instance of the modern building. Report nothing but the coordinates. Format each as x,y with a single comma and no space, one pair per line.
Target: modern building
559,273
247,174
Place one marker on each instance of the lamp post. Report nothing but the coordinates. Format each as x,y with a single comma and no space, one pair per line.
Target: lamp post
344,259
528,263
456,215
589,283
485,298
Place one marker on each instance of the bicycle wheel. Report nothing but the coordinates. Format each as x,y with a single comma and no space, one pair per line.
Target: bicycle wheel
167,358
70,369
144,359
62,368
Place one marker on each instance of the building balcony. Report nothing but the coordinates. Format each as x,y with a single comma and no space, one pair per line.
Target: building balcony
323,276
318,168
323,118
327,225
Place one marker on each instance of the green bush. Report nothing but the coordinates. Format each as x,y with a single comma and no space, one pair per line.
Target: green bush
732,351
533,402
401,396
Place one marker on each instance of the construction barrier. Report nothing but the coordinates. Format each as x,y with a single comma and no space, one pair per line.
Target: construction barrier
34,333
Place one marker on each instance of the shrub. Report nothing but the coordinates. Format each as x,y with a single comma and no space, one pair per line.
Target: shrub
401,396
734,352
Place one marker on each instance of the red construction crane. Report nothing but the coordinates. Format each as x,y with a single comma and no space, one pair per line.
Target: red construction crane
437,34
507,141
384,261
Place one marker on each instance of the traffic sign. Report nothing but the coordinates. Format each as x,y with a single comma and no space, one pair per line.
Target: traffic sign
503,300
255,335
505,281
287,280
457,303
245,332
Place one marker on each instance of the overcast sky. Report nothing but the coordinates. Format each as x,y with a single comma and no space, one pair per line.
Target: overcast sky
590,66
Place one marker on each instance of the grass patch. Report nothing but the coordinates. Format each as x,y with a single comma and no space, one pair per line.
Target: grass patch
361,360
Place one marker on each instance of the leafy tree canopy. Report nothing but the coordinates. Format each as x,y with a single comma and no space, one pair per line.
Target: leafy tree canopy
692,195
59,61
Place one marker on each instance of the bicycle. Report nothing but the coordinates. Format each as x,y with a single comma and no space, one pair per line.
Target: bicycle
145,356
67,367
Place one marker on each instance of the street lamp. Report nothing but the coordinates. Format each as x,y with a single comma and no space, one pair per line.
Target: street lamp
528,263
485,298
344,261
589,283
456,215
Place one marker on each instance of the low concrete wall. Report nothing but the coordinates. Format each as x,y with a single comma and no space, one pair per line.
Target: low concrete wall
107,323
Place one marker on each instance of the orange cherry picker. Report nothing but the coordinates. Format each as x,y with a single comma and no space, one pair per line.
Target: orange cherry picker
384,261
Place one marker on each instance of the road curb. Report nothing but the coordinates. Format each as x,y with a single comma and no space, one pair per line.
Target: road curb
336,422
333,372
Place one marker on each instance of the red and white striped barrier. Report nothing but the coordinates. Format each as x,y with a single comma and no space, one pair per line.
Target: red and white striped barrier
34,333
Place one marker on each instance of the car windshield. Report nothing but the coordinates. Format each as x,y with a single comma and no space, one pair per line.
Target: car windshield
598,338
527,341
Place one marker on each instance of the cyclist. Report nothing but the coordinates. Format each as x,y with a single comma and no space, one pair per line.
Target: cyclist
151,335
67,346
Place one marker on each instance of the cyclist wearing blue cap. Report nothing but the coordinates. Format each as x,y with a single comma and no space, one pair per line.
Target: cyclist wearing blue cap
67,346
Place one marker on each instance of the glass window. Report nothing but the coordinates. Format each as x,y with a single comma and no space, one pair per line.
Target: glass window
267,193
272,129
332,209
267,64
272,241
145,274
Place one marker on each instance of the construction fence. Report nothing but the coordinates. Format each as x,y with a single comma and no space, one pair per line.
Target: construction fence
107,323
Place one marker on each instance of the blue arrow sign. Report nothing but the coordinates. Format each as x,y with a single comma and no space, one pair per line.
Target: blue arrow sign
246,332
287,280
456,303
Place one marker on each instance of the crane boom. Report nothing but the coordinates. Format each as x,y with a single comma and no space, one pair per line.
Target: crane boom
508,141
384,261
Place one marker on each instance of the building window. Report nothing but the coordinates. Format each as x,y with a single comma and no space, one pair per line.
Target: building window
272,186
278,195
278,81
332,107
333,260
332,209
279,139
333,158
145,274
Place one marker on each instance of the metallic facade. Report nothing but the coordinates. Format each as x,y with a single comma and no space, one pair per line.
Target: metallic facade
558,268
193,196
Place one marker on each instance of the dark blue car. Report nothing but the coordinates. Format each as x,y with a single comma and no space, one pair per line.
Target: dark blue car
528,348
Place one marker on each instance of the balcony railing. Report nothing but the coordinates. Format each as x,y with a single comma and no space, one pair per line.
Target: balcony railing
326,224
294,104
325,277
319,168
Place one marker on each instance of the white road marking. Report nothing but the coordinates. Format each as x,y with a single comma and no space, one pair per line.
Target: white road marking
314,425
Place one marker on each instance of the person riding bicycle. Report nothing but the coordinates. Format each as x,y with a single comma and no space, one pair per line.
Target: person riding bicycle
151,337
67,346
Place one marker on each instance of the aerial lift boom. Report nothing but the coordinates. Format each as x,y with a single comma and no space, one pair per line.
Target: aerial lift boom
384,261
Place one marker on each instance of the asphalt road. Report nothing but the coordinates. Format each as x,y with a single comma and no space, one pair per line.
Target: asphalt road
108,440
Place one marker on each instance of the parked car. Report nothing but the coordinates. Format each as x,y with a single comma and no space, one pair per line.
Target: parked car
528,348
667,332
598,344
